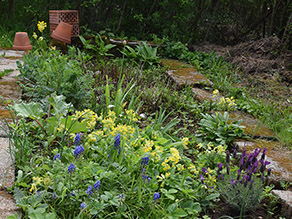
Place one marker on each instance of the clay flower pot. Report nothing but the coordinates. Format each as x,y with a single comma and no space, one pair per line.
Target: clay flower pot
21,41
63,32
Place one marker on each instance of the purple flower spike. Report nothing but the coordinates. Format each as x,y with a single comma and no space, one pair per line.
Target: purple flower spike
232,181
227,168
238,174
204,170
202,178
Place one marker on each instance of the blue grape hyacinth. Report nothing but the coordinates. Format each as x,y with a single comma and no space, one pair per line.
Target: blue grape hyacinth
71,168
78,150
156,196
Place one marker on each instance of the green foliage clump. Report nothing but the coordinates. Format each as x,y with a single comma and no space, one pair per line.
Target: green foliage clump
219,129
46,72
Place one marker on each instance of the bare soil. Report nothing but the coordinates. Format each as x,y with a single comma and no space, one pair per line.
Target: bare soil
263,68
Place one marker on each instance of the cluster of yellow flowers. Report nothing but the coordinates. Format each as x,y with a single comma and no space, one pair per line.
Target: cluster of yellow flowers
147,146
131,115
211,148
229,102
41,26
175,157
210,180
36,181
185,142
155,154
61,128
193,169
93,136
87,116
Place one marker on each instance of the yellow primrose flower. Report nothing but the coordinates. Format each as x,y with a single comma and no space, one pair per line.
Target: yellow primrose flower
41,39
33,188
41,26
167,174
35,35
37,180
53,47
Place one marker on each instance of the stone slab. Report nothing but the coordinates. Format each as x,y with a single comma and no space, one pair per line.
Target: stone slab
285,198
253,127
9,89
184,74
7,64
7,205
203,95
280,158
6,165
12,53
174,64
189,76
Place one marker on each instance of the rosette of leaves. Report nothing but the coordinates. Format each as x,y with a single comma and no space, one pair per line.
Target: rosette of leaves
219,129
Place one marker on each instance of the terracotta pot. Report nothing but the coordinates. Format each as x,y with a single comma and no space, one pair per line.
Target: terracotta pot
63,32
21,41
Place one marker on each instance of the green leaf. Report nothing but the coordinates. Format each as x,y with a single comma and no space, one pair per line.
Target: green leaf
180,213
31,110
60,107
212,196
14,216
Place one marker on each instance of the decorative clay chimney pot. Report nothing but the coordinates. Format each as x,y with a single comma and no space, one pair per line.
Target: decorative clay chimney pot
63,32
21,42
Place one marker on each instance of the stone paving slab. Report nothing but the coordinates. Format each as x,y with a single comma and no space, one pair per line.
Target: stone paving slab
8,205
253,127
285,198
189,76
184,74
280,158
7,64
6,165
12,53
202,95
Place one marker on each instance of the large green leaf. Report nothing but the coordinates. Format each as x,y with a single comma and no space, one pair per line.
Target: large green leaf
31,110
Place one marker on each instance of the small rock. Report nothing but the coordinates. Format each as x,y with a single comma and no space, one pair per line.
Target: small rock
253,127
202,95
285,198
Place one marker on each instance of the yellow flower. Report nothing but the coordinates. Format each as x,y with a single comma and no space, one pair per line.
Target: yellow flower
53,47
167,174
41,39
33,188
41,26
37,180
35,35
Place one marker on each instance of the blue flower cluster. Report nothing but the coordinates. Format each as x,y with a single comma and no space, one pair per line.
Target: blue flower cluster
117,142
82,205
156,196
91,189
145,161
96,185
77,139
71,168
78,150
57,156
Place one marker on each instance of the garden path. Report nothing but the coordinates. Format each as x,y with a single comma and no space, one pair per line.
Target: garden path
10,92
260,135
